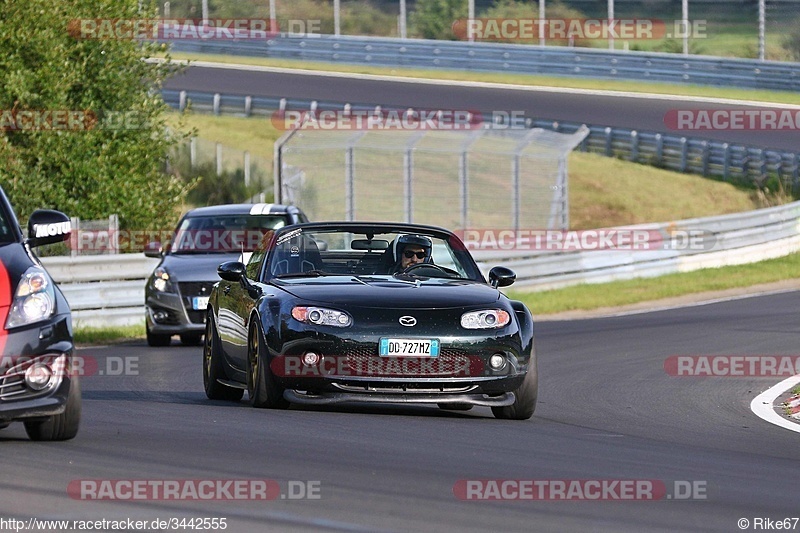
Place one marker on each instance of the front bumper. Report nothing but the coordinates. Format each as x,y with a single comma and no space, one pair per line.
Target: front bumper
502,400
351,370
48,342
179,318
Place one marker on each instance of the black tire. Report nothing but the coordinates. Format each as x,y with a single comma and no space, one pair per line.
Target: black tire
525,399
155,339
59,427
213,368
455,406
191,339
262,388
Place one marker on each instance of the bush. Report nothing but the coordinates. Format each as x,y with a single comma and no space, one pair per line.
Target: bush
97,170
433,19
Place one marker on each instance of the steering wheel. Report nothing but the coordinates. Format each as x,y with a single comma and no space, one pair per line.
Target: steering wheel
446,271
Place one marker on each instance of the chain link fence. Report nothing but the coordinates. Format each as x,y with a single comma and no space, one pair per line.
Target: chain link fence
481,178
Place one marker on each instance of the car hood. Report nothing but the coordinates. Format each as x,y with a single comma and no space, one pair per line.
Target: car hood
387,292
196,267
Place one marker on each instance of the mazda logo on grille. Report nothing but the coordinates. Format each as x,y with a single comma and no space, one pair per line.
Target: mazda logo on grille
408,321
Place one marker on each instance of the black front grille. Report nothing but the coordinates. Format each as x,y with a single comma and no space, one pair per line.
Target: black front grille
196,317
195,288
450,362
190,289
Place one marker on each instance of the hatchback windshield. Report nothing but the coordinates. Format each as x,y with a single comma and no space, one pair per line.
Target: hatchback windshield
223,233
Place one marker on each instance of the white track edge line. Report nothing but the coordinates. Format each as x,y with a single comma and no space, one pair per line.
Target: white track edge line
763,408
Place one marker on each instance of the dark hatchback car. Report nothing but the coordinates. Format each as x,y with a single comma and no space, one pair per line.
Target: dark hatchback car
368,312
37,386
177,291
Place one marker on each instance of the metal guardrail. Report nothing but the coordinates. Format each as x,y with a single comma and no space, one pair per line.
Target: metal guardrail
731,162
737,238
515,58
109,289
103,290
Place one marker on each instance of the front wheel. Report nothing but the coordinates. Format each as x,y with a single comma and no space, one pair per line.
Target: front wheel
262,388
525,400
213,369
59,427
155,339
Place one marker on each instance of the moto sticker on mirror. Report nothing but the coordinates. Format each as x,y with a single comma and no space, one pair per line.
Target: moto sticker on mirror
409,347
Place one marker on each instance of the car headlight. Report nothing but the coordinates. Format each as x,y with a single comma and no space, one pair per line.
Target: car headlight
321,316
488,319
161,281
35,299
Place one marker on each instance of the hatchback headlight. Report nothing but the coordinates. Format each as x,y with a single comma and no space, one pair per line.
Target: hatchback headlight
161,281
488,319
321,316
34,300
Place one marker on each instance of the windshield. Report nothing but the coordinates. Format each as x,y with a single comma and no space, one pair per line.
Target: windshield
314,253
223,233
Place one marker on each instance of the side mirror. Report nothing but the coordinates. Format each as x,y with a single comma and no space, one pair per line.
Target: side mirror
231,271
48,227
153,249
501,277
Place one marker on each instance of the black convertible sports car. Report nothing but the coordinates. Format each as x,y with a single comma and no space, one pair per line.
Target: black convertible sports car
368,312
37,385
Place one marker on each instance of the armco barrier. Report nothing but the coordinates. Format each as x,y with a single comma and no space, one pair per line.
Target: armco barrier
109,290
514,58
103,290
731,162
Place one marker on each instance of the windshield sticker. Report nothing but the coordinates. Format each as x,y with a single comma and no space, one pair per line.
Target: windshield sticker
289,236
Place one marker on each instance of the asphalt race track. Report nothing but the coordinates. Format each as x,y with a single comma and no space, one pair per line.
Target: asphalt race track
607,411
642,113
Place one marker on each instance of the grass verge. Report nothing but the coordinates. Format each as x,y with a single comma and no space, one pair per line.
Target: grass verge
617,293
108,335
513,79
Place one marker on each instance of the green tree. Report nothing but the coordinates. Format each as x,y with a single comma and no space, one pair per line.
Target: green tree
113,159
433,19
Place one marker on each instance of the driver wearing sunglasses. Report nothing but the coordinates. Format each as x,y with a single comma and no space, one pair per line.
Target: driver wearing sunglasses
412,250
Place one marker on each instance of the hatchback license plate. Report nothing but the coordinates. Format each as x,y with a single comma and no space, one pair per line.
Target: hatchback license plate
200,303
409,348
